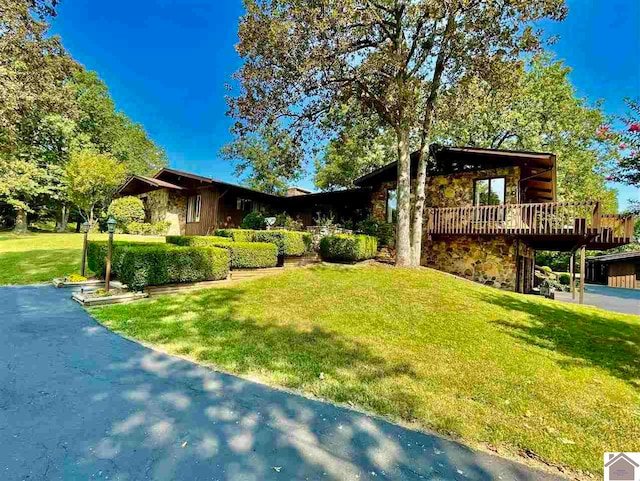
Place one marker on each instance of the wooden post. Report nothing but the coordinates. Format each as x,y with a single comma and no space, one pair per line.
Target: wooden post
107,277
583,250
572,275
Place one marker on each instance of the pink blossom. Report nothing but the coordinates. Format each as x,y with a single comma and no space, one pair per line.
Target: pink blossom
609,178
622,146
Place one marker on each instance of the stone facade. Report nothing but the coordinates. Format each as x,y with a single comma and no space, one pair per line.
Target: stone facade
489,260
163,204
454,190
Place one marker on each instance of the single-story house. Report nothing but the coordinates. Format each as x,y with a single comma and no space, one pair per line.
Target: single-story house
487,210
615,270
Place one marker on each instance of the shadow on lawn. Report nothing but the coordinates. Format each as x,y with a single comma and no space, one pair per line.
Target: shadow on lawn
98,405
214,331
588,337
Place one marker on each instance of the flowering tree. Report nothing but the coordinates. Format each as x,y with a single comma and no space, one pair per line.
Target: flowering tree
627,169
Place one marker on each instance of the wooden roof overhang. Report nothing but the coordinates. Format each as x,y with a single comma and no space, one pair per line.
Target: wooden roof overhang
139,184
537,169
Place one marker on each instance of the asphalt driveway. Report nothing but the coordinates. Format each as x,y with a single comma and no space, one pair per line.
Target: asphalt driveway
609,298
79,402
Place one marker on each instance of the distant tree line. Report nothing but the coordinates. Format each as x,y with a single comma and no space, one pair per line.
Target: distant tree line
64,148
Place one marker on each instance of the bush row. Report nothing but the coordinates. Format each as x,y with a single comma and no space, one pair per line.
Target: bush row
139,265
244,255
289,243
348,247
142,228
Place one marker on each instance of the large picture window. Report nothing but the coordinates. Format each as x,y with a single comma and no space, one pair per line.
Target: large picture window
392,205
193,208
245,205
489,191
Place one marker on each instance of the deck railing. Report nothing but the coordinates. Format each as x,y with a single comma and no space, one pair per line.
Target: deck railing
552,218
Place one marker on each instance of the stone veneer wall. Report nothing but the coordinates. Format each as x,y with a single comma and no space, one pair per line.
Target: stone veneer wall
488,260
451,190
166,205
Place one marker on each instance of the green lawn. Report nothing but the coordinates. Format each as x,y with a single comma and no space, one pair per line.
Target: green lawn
502,370
39,257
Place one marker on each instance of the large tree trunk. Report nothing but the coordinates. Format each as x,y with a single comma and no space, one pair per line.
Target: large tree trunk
21,222
403,234
418,209
62,218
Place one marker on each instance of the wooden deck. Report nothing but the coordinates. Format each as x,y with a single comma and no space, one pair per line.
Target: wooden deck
549,221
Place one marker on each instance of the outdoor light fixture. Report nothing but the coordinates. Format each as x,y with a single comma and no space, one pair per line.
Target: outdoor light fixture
111,227
84,228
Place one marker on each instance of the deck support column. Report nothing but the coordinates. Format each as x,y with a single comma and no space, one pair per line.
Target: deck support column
583,250
572,275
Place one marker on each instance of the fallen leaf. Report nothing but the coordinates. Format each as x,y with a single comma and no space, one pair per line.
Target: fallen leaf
277,468
184,444
567,441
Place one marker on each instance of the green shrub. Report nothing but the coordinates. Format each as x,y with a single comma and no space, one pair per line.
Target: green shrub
158,228
254,220
385,232
238,235
348,247
196,240
154,265
244,255
126,210
290,244
97,254
564,279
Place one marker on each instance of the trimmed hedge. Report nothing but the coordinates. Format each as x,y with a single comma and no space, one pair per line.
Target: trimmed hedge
141,228
290,243
348,247
244,255
238,235
154,265
196,240
97,253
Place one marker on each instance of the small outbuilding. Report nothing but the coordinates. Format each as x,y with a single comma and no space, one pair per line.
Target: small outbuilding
615,270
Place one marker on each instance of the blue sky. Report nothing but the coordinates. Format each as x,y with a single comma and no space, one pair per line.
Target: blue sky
166,64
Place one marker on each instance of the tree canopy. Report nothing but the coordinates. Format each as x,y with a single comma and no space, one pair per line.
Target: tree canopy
92,178
535,108
49,108
393,58
267,160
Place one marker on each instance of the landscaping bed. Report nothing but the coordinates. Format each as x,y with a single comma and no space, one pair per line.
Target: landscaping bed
519,375
100,298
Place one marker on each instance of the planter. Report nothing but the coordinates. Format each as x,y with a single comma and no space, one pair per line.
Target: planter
62,282
88,300
89,285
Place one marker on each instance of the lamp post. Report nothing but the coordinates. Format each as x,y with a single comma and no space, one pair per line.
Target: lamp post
111,227
84,228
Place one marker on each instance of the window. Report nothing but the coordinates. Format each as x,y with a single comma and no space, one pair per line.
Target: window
637,267
392,205
489,191
245,205
193,208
